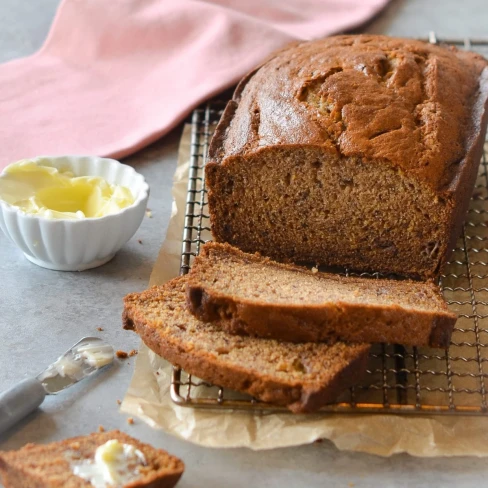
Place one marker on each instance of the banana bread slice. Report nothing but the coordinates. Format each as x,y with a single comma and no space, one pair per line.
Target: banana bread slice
357,151
302,377
54,465
250,294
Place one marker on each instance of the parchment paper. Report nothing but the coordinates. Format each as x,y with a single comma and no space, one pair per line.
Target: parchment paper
148,396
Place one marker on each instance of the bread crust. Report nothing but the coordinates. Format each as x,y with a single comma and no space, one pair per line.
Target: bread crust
299,397
236,134
462,185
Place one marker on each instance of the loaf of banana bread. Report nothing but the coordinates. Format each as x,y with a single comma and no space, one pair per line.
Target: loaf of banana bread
358,151
248,294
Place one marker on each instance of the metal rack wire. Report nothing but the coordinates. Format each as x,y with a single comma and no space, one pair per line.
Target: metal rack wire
399,379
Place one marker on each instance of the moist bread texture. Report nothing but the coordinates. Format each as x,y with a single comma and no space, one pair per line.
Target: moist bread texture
358,151
48,466
248,294
302,377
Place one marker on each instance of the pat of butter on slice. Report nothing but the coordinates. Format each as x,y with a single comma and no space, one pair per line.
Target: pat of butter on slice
114,464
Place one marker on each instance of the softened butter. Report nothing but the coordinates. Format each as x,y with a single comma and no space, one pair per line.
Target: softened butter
40,189
114,465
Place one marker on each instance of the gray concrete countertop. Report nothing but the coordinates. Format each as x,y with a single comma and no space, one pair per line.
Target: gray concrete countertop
44,312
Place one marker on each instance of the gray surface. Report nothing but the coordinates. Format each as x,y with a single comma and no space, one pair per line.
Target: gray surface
42,312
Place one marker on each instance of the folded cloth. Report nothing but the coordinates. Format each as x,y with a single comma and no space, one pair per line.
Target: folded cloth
113,77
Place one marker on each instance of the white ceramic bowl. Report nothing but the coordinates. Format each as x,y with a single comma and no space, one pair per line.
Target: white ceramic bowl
76,245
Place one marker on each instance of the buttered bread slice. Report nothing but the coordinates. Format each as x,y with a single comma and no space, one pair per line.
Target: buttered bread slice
248,294
302,377
100,459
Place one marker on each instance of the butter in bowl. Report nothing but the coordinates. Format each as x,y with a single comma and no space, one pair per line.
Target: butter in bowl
71,213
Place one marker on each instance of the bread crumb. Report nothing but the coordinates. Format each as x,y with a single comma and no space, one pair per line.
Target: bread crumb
100,329
139,241
130,421
101,428
315,270
133,352
148,213
121,354
222,350
351,484
119,402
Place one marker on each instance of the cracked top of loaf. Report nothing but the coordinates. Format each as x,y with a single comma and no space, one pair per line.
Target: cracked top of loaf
408,102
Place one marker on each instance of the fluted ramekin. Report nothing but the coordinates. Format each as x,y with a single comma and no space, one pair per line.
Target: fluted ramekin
76,245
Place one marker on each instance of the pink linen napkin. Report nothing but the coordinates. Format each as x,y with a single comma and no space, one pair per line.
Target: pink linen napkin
115,76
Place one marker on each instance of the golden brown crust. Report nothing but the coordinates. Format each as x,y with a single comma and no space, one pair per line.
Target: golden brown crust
160,317
47,466
462,184
346,318
401,100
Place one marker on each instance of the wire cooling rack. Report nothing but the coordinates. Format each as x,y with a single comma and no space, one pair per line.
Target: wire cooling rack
399,379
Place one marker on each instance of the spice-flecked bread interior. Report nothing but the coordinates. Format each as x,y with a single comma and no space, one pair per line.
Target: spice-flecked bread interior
246,293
